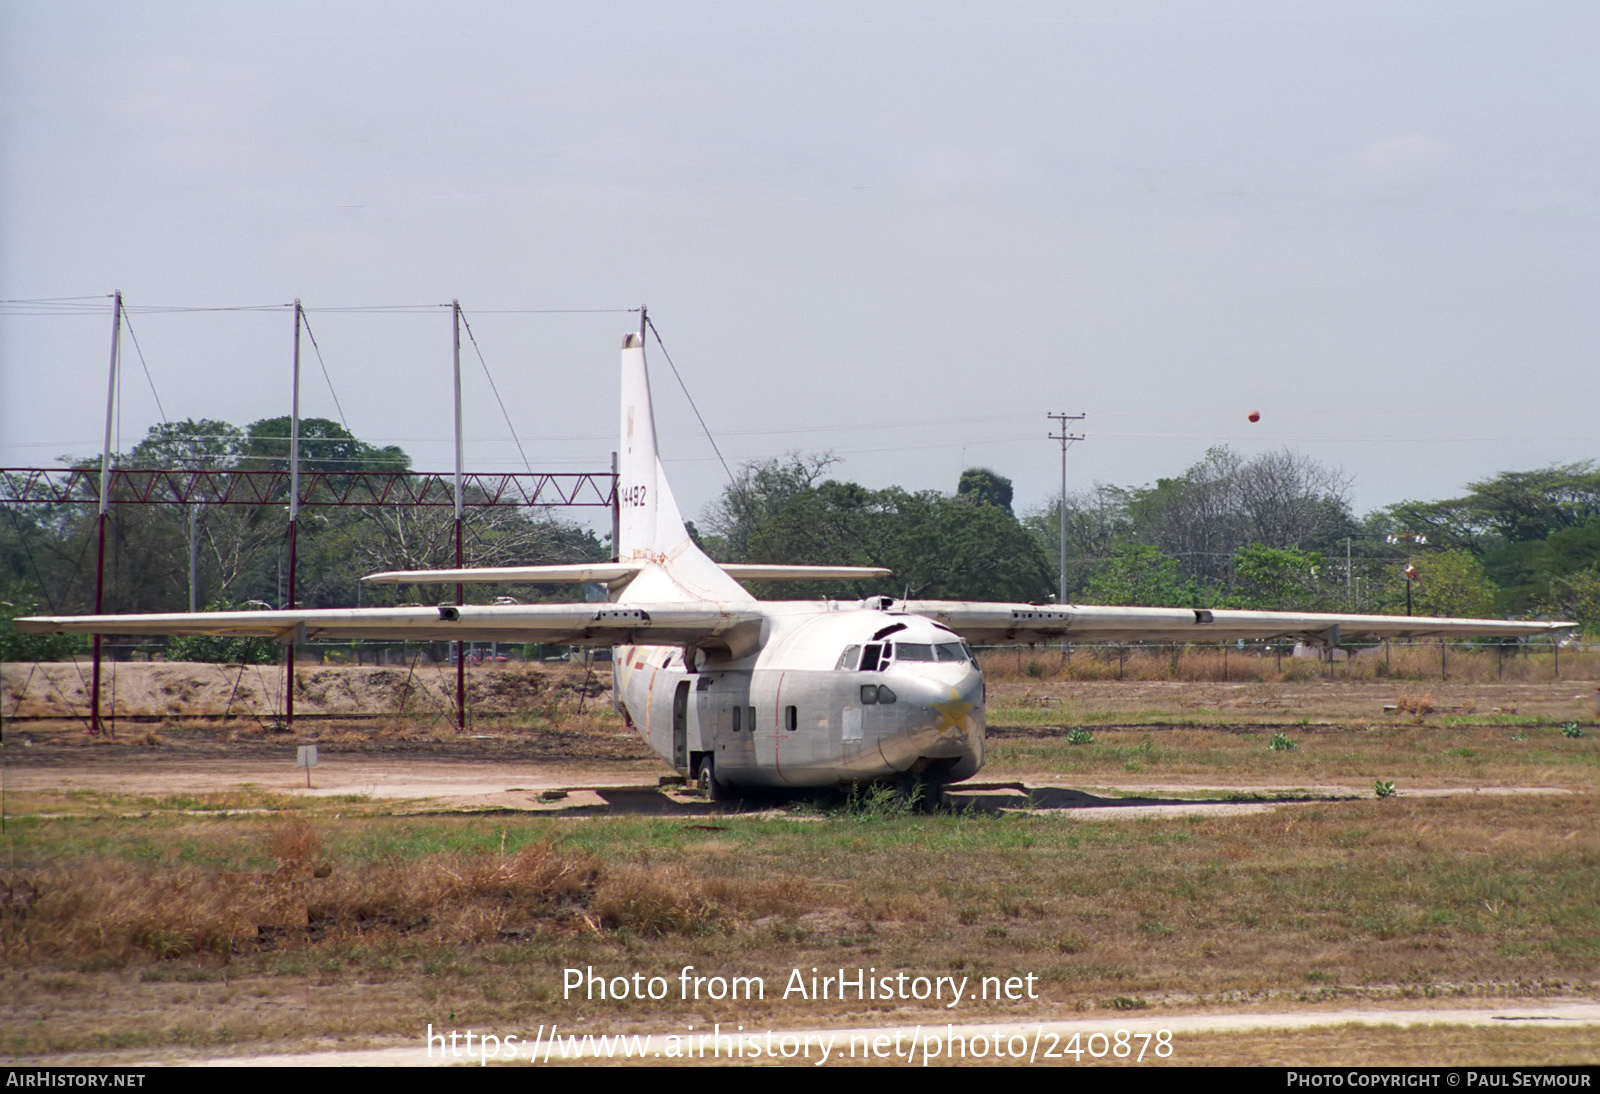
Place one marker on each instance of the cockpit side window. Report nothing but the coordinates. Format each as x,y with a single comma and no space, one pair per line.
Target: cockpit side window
847,659
871,655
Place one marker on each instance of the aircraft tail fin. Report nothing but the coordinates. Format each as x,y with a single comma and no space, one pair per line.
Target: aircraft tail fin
650,527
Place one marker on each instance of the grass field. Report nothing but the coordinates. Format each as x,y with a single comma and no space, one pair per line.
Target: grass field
218,923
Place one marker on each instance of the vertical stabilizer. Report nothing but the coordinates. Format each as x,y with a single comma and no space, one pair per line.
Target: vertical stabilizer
650,528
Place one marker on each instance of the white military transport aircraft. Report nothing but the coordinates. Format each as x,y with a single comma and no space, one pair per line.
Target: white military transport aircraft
740,693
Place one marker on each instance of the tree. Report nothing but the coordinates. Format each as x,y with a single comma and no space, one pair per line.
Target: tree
1576,596
762,489
1141,576
1097,520
1512,507
1224,502
324,446
189,444
230,536
935,544
1451,582
1506,519
1292,501
16,646
210,647
983,487
412,538
1278,579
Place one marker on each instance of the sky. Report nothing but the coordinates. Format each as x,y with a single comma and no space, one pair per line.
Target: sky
900,232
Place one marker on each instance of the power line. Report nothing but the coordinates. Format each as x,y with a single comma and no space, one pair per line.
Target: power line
148,379
336,404
504,413
686,395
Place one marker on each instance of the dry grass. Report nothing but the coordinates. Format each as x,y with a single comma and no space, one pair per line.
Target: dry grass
1462,662
109,909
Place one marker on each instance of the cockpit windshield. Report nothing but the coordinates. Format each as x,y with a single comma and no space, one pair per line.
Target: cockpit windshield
955,651
875,656
941,651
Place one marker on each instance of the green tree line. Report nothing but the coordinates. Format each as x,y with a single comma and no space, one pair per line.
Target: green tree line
1275,531
47,551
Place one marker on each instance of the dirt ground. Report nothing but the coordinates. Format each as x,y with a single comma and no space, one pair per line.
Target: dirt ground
389,732
143,693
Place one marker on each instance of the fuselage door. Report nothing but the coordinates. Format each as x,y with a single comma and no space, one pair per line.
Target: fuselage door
680,726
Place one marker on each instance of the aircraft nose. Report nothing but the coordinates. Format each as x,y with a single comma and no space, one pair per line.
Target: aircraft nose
951,719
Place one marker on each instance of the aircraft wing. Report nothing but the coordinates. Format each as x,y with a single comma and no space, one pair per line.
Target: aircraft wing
1002,623
732,626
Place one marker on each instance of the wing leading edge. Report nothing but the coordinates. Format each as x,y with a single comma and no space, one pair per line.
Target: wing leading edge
1001,623
733,627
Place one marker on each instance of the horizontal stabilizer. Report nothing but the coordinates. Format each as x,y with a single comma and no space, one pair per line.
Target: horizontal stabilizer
601,573
759,571
610,573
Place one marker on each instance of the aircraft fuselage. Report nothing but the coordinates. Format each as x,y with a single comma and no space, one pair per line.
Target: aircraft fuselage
833,695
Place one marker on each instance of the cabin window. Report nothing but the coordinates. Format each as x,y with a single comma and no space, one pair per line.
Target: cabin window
703,684
847,659
869,694
886,694
736,719
791,719
752,719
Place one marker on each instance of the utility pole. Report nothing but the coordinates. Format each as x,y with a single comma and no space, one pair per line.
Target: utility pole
105,507
1066,440
1410,571
294,521
461,648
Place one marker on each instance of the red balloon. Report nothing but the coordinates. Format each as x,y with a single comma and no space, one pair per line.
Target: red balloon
1255,415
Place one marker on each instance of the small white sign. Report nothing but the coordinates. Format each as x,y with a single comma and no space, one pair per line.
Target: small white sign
307,756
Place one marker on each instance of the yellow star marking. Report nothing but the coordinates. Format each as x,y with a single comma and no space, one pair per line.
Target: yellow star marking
953,713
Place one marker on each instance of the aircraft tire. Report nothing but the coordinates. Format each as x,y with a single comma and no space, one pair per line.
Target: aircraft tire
925,795
714,788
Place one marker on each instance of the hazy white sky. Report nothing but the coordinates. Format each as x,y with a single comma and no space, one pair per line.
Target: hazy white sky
900,231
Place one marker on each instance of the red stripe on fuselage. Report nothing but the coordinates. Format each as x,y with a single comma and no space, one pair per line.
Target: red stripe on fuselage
778,728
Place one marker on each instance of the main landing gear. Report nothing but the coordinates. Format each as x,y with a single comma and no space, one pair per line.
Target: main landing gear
712,787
